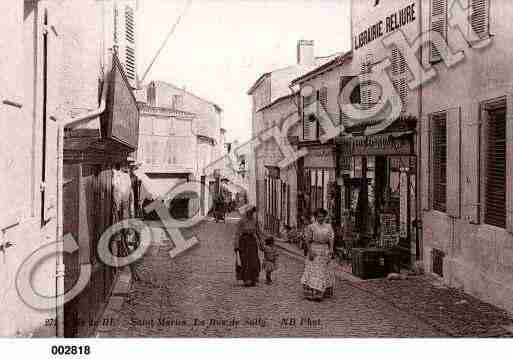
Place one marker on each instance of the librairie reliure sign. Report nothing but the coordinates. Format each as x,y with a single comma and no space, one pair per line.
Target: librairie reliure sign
391,23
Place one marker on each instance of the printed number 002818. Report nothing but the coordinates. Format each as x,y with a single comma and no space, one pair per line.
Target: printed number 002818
71,350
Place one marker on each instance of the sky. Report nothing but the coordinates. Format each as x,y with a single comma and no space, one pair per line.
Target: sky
221,47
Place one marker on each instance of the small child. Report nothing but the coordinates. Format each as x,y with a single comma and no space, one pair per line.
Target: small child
270,256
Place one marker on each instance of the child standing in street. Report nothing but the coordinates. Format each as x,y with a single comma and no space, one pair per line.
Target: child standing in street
270,259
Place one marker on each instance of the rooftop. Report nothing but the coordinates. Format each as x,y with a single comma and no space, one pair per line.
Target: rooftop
158,82
327,66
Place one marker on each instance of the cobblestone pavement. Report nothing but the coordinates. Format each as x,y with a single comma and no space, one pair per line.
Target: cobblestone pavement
450,310
196,295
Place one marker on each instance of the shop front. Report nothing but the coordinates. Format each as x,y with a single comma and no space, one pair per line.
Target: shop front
93,157
378,198
317,183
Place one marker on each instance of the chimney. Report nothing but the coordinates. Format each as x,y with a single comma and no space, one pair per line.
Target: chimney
305,52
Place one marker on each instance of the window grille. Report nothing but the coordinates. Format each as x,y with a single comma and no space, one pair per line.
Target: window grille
495,181
439,164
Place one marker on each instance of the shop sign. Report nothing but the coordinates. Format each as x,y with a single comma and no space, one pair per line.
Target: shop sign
381,145
121,117
390,23
319,158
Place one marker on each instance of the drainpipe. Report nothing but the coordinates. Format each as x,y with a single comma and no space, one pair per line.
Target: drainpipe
60,270
419,182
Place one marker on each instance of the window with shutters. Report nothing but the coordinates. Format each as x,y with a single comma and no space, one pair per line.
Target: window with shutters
130,60
495,163
155,147
148,152
364,88
130,25
439,161
309,120
177,102
400,76
354,96
116,17
323,96
438,23
130,63
480,18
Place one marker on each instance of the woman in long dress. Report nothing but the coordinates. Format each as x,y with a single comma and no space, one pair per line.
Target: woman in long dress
246,246
318,279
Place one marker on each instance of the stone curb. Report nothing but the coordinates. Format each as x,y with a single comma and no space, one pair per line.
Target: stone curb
120,291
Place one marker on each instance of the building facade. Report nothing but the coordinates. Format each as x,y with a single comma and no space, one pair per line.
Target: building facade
202,149
273,101
208,114
66,67
167,152
278,186
29,190
467,149
318,177
378,160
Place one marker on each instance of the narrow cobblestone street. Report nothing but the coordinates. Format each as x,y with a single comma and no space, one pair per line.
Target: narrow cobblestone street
196,295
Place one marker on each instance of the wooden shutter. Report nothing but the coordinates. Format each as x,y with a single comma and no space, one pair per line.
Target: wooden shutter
323,96
130,56
509,166
495,209
426,163
438,23
439,151
453,162
470,149
308,124
400,76
316,125
353,97
480,17
364,85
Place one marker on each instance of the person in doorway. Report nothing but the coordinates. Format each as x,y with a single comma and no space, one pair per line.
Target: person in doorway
270,259
318,279
246,245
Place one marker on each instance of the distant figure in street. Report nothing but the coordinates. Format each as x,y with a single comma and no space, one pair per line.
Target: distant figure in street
318,280
270,259
219,208
246,244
